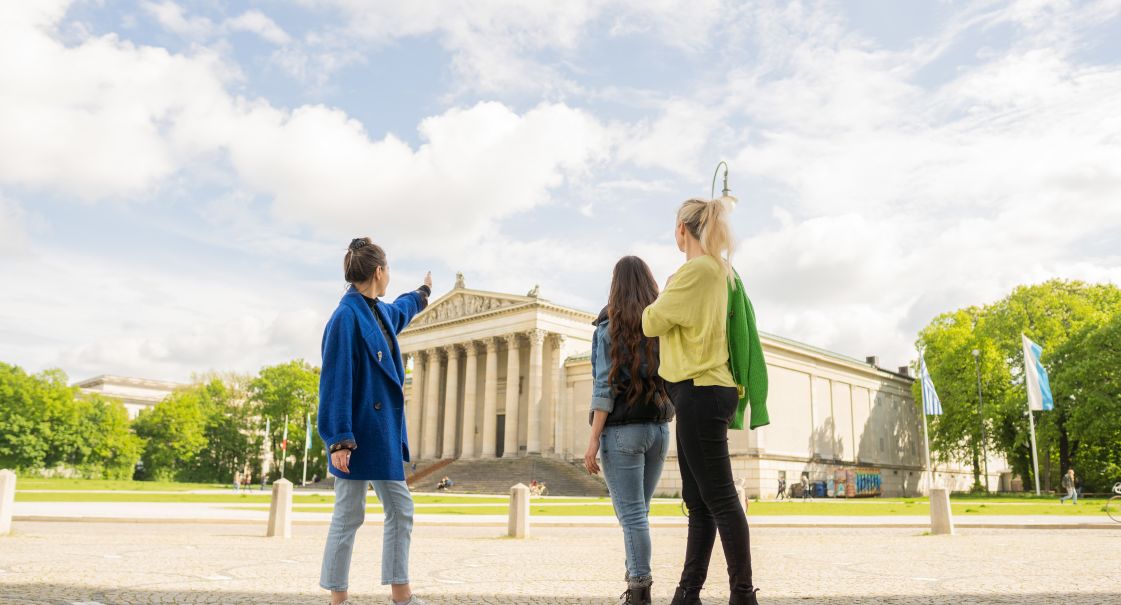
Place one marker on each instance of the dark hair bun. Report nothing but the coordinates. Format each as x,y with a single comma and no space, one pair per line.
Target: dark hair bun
363,257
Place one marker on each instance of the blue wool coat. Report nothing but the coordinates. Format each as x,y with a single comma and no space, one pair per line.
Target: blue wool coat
360,388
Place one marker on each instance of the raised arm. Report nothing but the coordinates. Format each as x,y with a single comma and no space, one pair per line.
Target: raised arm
406,307
674,306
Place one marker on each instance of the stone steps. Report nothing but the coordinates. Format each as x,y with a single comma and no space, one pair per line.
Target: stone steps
497,476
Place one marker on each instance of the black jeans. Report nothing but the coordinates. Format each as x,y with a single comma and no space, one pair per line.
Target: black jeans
707,486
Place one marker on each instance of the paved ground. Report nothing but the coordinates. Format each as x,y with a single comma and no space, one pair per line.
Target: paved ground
120,563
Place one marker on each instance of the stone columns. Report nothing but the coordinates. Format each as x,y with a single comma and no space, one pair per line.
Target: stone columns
431,405
467,437
490,399
513,368
533,420
552,410
415,405
451,402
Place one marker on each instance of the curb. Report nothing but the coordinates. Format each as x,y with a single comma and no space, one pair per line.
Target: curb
539,522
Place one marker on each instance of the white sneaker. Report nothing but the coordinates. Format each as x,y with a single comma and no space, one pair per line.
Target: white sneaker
413,600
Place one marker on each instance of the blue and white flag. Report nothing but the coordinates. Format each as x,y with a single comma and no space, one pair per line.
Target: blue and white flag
1035,377
931,405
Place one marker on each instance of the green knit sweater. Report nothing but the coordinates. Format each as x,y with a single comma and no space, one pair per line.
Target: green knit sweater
745,356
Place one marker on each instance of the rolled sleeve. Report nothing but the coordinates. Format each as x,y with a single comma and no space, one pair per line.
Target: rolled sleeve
602,398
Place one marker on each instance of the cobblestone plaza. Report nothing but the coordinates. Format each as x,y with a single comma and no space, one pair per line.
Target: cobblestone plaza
126,563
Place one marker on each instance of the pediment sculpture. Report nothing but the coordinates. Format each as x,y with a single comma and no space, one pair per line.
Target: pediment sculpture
460,307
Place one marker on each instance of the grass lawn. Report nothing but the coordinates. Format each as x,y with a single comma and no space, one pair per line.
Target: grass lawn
23,483
88,490
259,497
759,509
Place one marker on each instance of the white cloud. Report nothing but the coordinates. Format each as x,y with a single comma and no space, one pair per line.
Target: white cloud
507,46
13,230
256,22
174,18
891,198
105,119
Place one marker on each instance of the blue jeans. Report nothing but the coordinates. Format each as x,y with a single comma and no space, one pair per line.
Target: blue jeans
633,455
1072,494
350,513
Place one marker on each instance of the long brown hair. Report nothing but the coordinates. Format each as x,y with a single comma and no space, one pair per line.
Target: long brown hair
632,290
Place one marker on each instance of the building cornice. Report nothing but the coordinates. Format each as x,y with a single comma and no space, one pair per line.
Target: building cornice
110,379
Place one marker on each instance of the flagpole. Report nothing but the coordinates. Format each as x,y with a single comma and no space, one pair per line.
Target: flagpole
926,440
265,454
284,449
1034,456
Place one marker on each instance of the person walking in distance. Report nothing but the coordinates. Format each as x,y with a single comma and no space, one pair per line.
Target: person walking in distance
1070,486
630,412
690,318
362,419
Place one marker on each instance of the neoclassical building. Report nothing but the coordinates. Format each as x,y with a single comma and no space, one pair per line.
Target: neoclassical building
136,394
501,375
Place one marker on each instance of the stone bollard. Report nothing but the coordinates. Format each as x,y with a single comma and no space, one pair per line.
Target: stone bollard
941,517
7,500
280,511
518,526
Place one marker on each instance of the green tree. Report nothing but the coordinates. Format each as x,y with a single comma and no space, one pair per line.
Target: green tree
289,390
33,410
45,425
228,428
1049,313
110,450
174,432
1088,368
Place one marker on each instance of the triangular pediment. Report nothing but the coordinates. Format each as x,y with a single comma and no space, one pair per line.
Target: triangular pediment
462,303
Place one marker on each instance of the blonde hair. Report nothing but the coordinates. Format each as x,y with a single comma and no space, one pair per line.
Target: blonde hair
707,220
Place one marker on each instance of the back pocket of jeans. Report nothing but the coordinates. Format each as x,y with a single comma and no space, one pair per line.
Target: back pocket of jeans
629,440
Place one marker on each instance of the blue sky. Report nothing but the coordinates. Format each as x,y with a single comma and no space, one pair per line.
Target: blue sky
179,180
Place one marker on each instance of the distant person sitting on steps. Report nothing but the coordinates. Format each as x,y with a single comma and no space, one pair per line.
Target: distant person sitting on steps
444,483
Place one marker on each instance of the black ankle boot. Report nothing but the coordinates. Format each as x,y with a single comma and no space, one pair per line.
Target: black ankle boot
636,596
744,599
686,596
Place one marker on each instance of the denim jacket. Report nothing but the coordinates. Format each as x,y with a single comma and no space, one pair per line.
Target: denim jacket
603,395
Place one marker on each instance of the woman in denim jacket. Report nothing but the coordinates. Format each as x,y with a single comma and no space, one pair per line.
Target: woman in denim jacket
629,415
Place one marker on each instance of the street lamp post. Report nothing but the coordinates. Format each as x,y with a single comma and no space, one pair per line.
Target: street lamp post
726,195
981,417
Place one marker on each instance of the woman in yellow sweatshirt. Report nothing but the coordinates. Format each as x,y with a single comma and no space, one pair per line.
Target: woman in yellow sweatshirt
690,319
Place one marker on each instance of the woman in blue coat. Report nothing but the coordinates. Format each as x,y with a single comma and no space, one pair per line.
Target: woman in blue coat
362,419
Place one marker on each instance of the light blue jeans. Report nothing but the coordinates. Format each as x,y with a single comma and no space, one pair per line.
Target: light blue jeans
1072,494
350,512
633,456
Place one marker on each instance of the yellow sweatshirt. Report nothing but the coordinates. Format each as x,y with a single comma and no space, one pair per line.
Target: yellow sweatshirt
690,318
